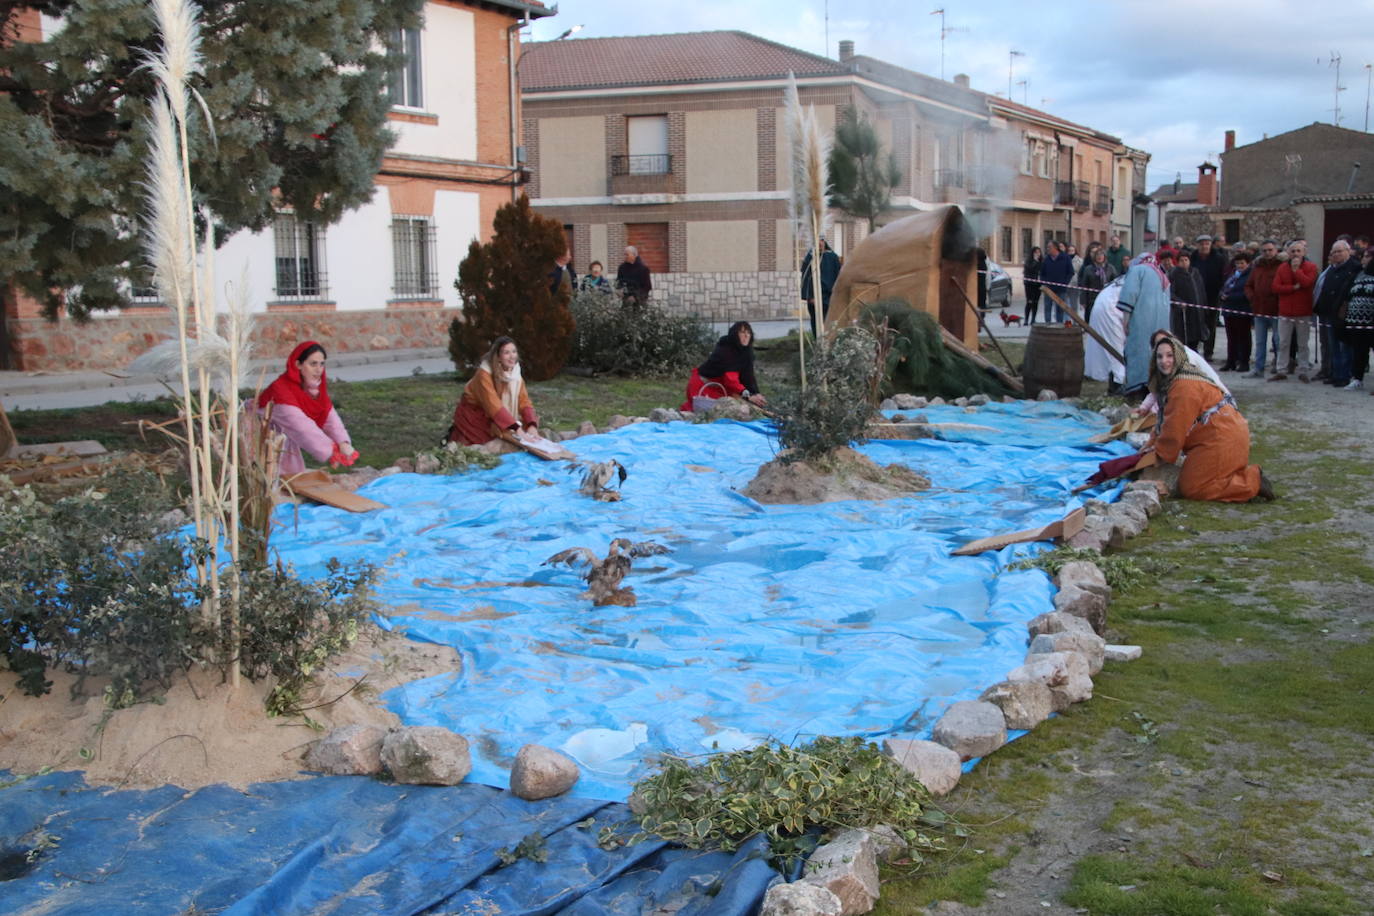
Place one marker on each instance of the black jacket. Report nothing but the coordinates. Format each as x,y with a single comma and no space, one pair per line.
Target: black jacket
1335,286
830,270
1213,271
633,279
730,356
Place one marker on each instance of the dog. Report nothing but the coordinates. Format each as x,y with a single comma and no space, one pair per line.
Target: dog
1008,319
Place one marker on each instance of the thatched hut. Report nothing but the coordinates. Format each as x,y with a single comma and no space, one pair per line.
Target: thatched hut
914,259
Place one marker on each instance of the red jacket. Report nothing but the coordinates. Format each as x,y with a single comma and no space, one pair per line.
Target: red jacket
1294,288
1259,289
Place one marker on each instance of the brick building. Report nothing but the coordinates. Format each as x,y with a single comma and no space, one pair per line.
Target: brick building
381,277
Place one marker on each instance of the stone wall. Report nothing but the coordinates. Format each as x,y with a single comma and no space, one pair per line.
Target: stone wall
112,342
729,296
1255,225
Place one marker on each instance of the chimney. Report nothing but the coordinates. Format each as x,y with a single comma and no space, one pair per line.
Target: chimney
1230,140
1207,184
961,80
846,51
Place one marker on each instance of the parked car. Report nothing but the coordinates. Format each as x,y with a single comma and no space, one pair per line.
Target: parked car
999,288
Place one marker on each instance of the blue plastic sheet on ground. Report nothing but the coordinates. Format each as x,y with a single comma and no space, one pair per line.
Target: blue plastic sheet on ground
346,845
780,622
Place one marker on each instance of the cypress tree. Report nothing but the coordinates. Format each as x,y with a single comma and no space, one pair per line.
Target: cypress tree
296,90
862,176
504,289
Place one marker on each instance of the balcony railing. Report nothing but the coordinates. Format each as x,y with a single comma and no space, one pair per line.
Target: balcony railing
655,164
949,178
1082,195
1102,199
1063,193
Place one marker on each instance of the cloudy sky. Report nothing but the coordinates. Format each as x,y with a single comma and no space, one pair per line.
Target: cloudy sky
1166,77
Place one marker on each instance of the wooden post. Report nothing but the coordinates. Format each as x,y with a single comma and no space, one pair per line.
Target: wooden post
1090,331
978,314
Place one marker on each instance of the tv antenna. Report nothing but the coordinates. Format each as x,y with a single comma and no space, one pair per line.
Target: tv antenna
944,30
1011,59
1023,84
1335,61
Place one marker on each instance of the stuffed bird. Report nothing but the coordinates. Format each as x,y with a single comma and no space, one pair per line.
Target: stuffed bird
603,576
596,481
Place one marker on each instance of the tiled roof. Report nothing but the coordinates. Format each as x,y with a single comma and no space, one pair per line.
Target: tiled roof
650,60
1164,194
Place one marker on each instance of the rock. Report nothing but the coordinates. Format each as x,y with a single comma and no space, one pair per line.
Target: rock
935,766
1046,395
426,464
586,428
933,402
888,844
350,750
847,866
908,402
1080,602
541,772
1024,704
1084,575
426,755
947,908
1065,673
617,421
664,415
1147,500
1122,653
1008,399
1137,441
1096,507
1096,534
405,465
552,435
568,434
971,728
1158,487
731,409
1130,520
979,400
843,474
961,402
800,899
1091,646
888,404
1115,413
1058,622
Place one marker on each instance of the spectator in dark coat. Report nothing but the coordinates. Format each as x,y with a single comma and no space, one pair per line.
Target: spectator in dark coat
1030,276
1236,312
562,270
1056,274
1094,277
1332,286
1185,311
632,279
830,270
1210,262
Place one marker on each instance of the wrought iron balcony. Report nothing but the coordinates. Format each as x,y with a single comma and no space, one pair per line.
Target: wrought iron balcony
656,164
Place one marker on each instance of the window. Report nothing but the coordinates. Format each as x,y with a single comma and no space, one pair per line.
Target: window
1027,242
1004,252
1041,166
647,139
405,88
300,258
415,273
1027,154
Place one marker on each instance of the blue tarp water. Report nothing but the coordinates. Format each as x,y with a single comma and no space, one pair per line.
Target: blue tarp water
784,622
848,618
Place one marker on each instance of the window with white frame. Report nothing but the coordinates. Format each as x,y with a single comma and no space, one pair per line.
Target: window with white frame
299,249
1027,153
415,274
405,89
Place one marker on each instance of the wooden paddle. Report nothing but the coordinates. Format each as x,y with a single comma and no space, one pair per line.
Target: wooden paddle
1063,529
318,486
1089,330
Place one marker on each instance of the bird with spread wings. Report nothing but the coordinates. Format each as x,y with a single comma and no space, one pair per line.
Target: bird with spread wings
604,575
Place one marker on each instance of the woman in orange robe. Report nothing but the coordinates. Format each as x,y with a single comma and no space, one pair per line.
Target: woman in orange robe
494,403
1200,421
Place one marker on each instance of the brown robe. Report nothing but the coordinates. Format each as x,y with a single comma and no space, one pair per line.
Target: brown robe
481,415
1217,452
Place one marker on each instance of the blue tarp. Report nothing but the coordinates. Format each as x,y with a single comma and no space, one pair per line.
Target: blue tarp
782,622
763,621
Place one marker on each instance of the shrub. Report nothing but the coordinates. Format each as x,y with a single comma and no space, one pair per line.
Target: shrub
919,362
646,341
782,793
504,289
835,407
98,584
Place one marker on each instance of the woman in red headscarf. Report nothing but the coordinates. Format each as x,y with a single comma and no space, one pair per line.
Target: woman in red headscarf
303,413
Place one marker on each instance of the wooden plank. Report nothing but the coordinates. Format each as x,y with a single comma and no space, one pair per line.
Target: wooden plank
82,448
1087,328
541,448
317,486
1063,529
953,343
978,314
42,472
1146,460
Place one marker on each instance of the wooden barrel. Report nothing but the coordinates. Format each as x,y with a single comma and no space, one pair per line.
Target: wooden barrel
1054,360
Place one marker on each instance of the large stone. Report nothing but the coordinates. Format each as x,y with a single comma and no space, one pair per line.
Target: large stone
617,421
586,428
1131,519
541,772
888,844
1091,646
1122,653
908,402
971,728
1046,395
1146,500
935,766
350,750
1065,673
1085,575
1057,622
1024,704
800,899
847,866
664,415
888,404
1080,602
1095,535
961,402
426,755
426,463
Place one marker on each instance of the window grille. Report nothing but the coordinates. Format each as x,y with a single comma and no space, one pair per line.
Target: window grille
1004,253
299,247
406,88
414,259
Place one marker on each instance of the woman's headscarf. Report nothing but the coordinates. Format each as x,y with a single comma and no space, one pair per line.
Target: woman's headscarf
1149,260
289,388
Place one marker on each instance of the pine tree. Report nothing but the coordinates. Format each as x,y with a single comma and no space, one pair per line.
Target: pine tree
862,176
504,289
296,91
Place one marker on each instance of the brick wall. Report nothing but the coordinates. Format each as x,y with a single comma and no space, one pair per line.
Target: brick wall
767,129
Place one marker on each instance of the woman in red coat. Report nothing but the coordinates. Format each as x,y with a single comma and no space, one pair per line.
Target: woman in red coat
728,371
1200,421
494,403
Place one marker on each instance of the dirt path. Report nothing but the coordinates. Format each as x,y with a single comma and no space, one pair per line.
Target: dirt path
1227,771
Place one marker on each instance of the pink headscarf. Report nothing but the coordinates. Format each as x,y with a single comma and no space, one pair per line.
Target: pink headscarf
1150,261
